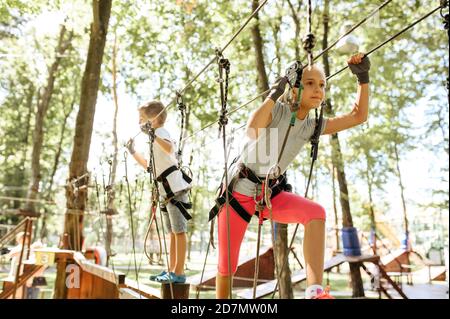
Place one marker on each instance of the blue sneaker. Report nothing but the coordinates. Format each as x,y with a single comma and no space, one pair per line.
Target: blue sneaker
171,277
153,277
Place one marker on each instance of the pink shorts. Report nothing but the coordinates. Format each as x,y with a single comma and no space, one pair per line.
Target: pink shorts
286,208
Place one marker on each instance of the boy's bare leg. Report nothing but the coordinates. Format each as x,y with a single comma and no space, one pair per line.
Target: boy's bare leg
222,287
314,251
172,252
180,253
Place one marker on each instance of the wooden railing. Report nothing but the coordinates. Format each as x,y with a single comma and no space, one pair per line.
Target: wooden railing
10,287
87,280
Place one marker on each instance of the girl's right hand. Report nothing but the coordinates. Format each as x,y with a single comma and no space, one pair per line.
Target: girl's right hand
278,88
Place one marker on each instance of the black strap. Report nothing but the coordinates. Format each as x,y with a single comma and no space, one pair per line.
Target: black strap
220,201
182,206
279,185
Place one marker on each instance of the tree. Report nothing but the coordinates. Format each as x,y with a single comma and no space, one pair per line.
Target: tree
76,191
355,274
42,107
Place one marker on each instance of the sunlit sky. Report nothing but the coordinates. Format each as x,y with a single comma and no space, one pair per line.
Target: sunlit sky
420,172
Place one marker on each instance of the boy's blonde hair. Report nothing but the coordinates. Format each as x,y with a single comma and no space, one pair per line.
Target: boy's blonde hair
152,109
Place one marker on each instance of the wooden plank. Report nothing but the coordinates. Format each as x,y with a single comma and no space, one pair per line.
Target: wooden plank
244,273
86,285
127,293
267,288
144,290
23,278
392,283
299,276
105,273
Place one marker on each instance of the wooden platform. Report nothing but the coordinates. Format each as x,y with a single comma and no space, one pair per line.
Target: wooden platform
266,289
426,291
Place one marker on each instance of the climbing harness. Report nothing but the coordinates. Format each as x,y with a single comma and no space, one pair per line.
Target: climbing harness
182,109
224,66
151,169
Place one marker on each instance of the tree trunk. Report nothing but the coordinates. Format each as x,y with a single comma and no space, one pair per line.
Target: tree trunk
336,218
336,155
23,161
335,210
295,13
402,190
111,194
42,107
373,225
43,231
263,82
281,235
76,190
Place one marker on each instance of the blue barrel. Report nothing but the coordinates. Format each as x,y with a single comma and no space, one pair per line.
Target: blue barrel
372,237
350,241
405,242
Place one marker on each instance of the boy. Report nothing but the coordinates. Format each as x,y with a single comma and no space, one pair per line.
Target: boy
173,186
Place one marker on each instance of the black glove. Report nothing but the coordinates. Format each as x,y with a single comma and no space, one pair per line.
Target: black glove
277,89
4,251
130,146
361,70
146,127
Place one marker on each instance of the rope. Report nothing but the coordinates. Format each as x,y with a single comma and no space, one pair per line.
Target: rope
314,150
30,200
224,65
390,39
211,232
309,41
125,154
182,109
229,113
153,218
235,35
308,45
352,29
152,171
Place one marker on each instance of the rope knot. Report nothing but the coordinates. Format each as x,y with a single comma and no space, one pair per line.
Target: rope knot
223,119
309,42
224,63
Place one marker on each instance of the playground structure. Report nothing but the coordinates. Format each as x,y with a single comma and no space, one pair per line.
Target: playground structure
88,280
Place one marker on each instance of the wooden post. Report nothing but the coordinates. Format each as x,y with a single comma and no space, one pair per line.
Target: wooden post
180,291
19,264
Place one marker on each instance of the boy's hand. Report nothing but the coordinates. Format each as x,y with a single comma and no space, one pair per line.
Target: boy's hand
359,64
277,89
130,146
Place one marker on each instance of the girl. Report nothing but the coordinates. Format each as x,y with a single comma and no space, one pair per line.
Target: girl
266,130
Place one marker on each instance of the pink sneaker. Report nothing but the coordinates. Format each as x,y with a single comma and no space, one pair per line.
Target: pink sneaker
324,294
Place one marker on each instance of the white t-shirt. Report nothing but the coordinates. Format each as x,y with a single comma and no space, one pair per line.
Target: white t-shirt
163,161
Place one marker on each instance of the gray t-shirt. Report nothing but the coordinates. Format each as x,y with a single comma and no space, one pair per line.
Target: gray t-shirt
262,154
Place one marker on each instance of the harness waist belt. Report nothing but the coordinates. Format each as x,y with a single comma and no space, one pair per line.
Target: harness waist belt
182,207
278,185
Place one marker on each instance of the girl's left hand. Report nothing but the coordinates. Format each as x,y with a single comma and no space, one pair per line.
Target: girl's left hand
356,58
359,64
